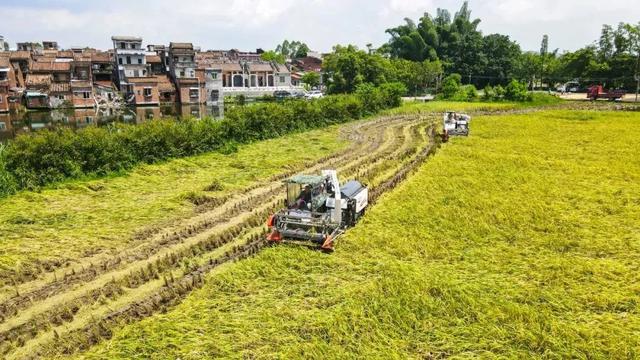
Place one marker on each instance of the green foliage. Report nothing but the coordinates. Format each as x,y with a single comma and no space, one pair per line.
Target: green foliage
312,79
273,56
34,160
292,49
517,91
451,86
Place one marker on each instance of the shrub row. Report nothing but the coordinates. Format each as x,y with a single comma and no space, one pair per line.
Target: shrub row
34,160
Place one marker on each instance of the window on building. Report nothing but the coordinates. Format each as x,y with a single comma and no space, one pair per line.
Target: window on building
182,74
60,97
1,102
193,93
147,92
88,119
281,79
144,72
128,59
138,92
136,73
3,126
214,75
123,45
139,60
120,60
86,95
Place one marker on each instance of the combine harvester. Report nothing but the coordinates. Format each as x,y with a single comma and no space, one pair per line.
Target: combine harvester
455,124
315,212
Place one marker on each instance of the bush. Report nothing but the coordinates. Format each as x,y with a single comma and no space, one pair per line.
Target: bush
489,93
451,86
517,91
37,159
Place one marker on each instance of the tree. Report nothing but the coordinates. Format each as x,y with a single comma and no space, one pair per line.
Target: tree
451,86
311,78
502,57
544,50
273,56
292,49
347,67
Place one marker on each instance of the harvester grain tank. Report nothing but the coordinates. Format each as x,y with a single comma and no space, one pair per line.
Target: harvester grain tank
318,210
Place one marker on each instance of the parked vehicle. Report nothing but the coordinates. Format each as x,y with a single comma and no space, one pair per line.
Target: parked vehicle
314,94
281,94
597,92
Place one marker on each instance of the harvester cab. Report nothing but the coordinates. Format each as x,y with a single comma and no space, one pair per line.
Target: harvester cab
317,209
455,124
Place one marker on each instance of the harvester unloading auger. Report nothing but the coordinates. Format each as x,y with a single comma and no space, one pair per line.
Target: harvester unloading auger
318,210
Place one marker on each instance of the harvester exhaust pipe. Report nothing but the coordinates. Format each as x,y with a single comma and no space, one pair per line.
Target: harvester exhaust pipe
336,215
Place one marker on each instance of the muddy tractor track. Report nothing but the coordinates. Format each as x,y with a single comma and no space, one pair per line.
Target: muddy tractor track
70,309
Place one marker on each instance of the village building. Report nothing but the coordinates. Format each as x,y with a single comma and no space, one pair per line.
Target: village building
5,83
156,67
130,61
166,89
60,95
28,46
49,45
161,51
144,91
82,91
102,67
4,45
182,66
37,91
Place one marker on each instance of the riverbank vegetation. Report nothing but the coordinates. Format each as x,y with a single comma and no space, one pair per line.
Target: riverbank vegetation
34,160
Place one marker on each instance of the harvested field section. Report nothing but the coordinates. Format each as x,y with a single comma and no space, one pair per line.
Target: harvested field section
104,216
521,241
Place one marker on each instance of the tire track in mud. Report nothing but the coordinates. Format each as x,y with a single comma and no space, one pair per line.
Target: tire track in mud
171,293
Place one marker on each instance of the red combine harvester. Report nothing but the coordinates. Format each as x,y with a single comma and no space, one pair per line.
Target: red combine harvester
596,92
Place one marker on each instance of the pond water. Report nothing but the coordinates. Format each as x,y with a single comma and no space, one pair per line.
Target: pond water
12,124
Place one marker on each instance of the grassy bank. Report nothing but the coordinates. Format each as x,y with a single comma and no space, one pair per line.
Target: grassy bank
520,241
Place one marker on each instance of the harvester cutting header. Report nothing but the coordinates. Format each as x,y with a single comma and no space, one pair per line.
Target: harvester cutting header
317,209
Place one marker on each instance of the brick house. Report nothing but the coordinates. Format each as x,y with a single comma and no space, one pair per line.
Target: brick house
144,90
82,91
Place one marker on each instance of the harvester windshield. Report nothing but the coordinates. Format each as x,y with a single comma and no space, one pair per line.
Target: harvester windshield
302,190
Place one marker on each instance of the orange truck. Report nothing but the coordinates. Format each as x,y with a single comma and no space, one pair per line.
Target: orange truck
596,92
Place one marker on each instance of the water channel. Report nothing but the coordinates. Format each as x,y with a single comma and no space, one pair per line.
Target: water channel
12,124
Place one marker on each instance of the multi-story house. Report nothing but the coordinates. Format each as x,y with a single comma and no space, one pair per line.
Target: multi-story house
49,45
5,82
133,76
130,60
161,51
182,66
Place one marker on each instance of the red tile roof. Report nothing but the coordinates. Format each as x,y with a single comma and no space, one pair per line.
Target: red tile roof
50,66
38,79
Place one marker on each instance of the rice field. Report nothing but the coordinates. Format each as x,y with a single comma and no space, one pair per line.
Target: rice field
521,241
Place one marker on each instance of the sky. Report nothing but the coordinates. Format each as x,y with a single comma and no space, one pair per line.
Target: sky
251,24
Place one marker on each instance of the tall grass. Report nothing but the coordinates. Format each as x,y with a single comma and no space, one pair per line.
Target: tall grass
520,241
35,160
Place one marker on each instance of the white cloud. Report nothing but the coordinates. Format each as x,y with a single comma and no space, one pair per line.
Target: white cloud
322,23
